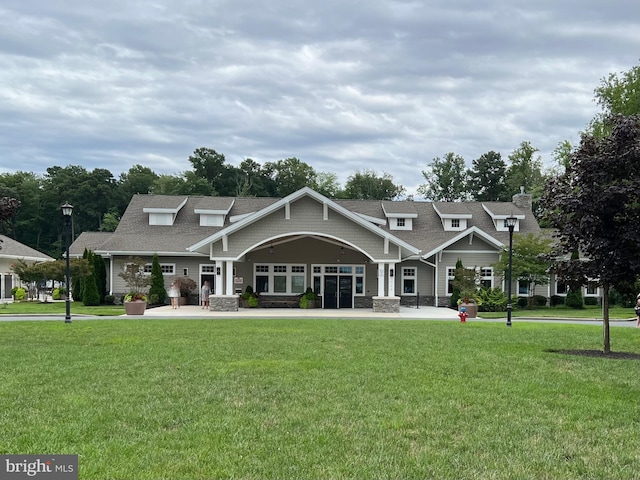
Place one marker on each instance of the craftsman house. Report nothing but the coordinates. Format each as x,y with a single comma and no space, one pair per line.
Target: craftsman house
352,253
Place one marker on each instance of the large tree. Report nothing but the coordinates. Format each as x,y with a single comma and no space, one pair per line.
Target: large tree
368,185
616,94
446,179
290,175
486,178
595,208
525,170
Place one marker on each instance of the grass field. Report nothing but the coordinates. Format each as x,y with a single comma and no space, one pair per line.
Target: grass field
321,399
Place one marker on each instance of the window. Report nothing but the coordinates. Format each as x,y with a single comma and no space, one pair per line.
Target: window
561,288
408,281
592,288
523,287
486,277
208,269
455,223
400,222
280,279
166,268
451,274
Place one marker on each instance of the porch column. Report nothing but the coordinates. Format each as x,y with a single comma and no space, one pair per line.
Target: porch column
381,279
229,277
392,283
219,285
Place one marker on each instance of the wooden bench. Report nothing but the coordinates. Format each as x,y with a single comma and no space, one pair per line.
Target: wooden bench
276,301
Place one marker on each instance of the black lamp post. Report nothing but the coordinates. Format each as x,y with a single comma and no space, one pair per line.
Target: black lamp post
510,223
67,210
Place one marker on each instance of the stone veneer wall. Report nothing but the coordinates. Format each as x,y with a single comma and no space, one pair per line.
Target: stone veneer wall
223,303
424,301
386,304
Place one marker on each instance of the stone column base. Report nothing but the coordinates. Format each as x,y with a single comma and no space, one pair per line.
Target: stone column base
223,303
386,304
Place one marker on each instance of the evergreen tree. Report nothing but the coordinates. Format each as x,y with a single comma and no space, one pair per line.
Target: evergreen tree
157,292
101,276
90,295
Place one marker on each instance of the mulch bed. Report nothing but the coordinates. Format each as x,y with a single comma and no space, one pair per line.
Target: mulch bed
599,354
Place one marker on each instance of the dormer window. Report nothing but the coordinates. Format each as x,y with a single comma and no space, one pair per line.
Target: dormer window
165,210
455,223
399,214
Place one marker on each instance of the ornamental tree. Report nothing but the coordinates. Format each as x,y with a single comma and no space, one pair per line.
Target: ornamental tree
594,206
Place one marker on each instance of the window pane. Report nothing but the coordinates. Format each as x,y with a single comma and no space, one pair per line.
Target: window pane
409,285
297,284
280,284
262,284
359,285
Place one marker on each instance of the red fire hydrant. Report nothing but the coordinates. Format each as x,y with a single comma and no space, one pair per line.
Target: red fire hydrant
463,315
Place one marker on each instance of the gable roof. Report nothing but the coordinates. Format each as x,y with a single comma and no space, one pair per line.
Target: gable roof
186,237
304,192
10,248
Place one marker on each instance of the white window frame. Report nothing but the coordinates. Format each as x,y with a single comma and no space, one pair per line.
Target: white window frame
167,268
486,273
451,275
410,273
288,273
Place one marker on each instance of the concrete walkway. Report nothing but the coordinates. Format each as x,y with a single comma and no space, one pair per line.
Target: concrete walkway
192,311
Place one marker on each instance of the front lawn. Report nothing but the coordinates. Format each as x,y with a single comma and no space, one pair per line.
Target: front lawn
321,399
58,308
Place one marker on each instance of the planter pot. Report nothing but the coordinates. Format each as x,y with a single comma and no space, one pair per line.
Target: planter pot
135,308
472,309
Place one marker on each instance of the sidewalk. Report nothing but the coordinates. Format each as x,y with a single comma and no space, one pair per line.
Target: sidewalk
193,311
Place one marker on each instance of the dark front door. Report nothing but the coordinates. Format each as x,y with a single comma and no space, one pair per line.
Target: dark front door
338,291
346,292
330,296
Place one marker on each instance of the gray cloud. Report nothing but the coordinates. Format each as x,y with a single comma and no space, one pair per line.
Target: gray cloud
345,86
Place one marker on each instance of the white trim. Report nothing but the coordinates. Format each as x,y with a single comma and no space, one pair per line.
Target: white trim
472,230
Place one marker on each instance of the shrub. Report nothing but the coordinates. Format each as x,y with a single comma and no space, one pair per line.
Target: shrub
157,292
109,299
523,302
19,294
492,300
591,301
253,301
58,293
556,300
574,298
540,300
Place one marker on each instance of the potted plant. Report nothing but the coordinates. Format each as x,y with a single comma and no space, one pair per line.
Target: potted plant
135,300
308,299
186,286
249,299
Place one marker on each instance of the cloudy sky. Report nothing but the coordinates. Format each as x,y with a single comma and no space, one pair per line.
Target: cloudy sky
383,85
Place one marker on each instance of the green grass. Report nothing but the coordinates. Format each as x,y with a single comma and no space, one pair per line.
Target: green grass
320,399
59,307
562,311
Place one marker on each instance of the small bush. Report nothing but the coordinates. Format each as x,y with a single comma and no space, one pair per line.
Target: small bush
591,301
19,294
574,299
154,299
492,300
557,300
109,300
539,300
523,302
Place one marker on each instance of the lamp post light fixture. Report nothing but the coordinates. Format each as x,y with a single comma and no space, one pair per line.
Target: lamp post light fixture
67,211
510,223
